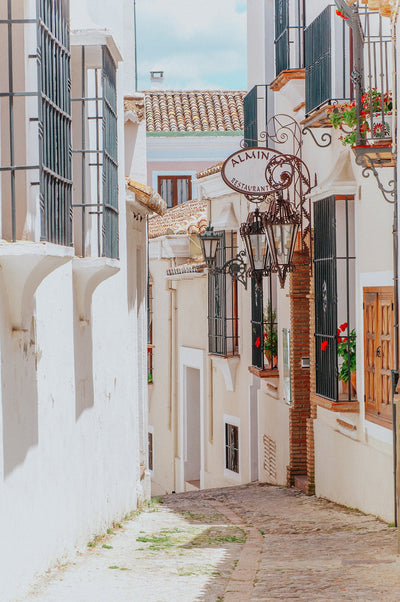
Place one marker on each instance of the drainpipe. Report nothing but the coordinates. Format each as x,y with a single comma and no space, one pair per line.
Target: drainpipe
395,371
171,368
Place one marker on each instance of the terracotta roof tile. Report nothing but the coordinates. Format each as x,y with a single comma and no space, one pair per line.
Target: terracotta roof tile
210,170
194,111
187,268
147,196
135,105
188,218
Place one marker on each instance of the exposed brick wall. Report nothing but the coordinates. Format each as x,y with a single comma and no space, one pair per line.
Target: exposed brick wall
299,413
310,485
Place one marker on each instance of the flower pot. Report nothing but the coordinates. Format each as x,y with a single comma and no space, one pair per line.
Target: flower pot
353,387
381,128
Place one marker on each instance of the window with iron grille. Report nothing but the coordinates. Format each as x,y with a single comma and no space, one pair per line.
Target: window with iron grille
223,314
232,447
264,326
94,128
328,60
255,107
36,119
334,276
289,35
175,189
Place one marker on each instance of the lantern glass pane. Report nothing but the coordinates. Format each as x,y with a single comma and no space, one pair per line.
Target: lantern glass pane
258,250
283,235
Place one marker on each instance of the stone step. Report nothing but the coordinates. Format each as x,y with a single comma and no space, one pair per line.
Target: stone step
300,482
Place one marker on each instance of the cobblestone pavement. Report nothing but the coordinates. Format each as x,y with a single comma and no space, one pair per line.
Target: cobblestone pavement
247,543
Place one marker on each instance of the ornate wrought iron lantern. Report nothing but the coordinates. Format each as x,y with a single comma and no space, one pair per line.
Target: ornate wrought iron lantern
256,243
281,223
209,243
236,266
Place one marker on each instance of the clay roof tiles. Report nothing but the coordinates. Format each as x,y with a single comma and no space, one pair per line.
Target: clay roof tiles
194,111
188,218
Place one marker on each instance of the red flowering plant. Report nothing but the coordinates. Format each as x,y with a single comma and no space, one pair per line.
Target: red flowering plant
344,117
346,348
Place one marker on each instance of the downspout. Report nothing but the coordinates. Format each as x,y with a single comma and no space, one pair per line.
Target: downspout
395,372
171,369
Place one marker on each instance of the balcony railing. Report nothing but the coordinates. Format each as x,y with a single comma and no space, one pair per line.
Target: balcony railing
289,35
327,60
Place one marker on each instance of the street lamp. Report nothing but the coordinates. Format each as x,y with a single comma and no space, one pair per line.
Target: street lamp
209,243
281,223
236,266
257,251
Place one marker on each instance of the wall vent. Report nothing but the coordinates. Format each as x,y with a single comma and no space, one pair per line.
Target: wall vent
270,457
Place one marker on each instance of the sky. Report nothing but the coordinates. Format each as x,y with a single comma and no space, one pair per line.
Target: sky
199,44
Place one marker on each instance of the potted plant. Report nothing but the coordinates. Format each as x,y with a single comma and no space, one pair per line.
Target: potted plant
346,349
374,105
270,336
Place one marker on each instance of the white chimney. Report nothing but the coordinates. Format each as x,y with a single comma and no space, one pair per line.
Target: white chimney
156,80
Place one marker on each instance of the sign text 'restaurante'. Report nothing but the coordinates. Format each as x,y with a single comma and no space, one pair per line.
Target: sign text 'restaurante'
244,171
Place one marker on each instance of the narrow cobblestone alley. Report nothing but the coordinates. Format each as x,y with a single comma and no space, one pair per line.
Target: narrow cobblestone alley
254,542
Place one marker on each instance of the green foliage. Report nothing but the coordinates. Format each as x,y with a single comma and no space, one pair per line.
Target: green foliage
270,333
344,117
346,348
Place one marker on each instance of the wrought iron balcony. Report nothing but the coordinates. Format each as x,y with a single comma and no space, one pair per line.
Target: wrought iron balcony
289,35
327,61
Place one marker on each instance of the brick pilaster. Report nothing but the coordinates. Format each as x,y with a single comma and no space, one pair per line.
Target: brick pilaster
299,412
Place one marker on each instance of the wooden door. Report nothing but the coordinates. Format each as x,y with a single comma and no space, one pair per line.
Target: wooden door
378,354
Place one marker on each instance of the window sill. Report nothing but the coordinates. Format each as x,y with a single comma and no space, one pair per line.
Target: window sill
286,76
274,373
319,118
336,406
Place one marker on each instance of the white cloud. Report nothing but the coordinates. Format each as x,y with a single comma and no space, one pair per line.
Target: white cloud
192,42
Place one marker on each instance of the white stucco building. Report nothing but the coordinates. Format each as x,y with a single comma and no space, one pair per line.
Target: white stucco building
73,396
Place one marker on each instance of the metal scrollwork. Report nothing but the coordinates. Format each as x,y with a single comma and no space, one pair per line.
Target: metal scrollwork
388,192
283,128
237,268
326,138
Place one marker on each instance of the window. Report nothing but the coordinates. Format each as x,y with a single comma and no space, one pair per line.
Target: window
175,189
264,327
223,314
289,33
327,60
232,447
150,448
378,353
334,276
36,120
95,161
287,386
256,117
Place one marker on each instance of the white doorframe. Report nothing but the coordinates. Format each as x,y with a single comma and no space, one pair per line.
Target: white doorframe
190,358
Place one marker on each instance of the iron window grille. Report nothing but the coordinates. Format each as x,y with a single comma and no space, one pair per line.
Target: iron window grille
264,327
334,277
36,120
223,315
95,152
175,189
289,35
328,60
255,107
231,447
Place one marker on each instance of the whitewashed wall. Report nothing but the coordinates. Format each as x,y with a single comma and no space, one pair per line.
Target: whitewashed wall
73,391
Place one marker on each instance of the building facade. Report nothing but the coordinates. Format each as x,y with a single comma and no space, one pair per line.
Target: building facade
73,443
